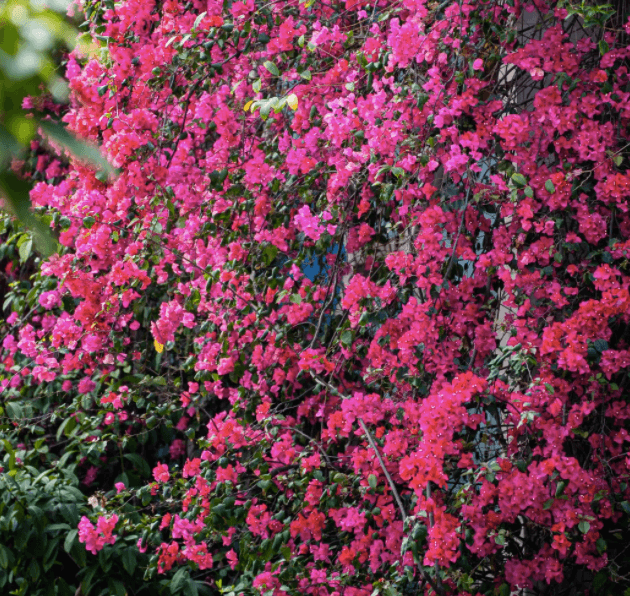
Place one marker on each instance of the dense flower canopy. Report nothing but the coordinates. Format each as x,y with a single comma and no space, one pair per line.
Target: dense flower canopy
353,316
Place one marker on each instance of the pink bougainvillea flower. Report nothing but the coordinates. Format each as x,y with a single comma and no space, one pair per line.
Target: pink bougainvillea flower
161,473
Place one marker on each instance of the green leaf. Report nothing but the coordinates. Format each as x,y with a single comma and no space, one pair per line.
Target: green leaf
86,584
550,187
80,149
25,250
56,527
346,337
116,587
278,104
36,511
398,172
601,545
66,427
69,541
306,75
4,556
139,463
599,581
198,20
584,527
88,222
9,146
519,180
190,589
270,254
129,560
14,410
372,481
15,191
70,513
265,108
272,68
179,580
560,487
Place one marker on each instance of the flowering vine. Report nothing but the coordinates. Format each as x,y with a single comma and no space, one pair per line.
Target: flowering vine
353,316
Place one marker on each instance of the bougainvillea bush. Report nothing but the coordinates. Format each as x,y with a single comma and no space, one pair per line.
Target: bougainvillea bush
353,317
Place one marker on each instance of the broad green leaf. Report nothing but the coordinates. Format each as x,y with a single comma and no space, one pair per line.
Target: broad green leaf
179,580
25,250
14,410
80,149
272,68
69,541
190,589
278,104
265,108
129,560
519,180
116,587
140,464
16,193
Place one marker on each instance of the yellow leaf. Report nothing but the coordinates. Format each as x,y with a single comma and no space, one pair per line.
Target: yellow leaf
159,348
292,101
248,105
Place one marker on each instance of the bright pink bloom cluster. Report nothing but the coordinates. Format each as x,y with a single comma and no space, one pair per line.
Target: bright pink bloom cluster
95,538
